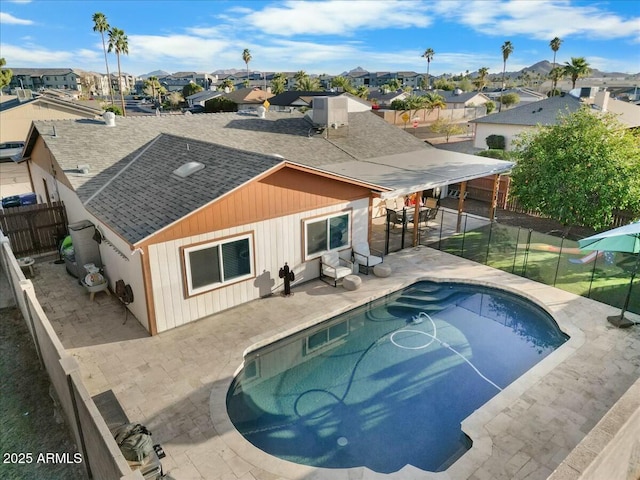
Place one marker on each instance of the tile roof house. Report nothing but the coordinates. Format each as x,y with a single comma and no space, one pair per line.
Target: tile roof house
261,192
510,123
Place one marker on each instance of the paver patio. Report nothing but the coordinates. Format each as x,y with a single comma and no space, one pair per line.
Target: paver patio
176,382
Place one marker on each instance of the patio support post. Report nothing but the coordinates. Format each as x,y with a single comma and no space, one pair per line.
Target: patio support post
463,192
416,217
494,197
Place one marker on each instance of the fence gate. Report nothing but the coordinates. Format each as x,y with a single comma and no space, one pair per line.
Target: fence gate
34,229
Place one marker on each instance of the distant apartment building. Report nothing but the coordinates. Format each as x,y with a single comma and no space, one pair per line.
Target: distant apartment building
38,79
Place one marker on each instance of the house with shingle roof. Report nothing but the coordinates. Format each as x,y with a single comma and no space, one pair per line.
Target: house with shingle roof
17,112
510,123
199,212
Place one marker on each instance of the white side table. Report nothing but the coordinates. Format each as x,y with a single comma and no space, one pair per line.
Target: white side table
27,263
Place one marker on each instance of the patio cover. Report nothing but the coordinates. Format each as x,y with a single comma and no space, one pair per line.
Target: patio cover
411,172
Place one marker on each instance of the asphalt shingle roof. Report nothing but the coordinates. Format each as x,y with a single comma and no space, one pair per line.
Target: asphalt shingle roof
545,112
129,184
140,194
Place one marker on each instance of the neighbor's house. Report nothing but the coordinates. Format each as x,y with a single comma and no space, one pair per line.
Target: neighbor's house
198,213
514,121
247,98
296,99
201,97
17,112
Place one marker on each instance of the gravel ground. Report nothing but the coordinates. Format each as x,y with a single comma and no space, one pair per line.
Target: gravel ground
28,427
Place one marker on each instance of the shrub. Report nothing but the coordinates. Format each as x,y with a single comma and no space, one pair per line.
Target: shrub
499,154
113,108
220,104
495,142
490,106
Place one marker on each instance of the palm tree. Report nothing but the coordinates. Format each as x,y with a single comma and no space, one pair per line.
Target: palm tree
362,91
432,101
100,25
278,83
507,49
119,43
227,83
428,55
246,58
555,46
308,84
481,81
555,74
578,67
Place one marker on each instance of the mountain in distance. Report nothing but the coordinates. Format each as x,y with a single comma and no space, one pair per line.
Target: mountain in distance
155,73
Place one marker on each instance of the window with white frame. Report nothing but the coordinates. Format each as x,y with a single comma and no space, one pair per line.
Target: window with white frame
214,264
325,234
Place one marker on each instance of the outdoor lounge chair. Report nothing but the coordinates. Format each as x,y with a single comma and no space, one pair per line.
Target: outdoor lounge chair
334,267
363,257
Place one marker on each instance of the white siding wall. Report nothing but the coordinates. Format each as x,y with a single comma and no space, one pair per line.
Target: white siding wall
483,130
276,241
118,262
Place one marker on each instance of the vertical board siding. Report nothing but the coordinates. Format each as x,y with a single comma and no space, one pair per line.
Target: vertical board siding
284,192
275,240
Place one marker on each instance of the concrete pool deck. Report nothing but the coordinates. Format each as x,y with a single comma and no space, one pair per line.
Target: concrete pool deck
176,382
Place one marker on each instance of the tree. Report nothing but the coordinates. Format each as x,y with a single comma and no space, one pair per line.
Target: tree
246,58
555,74
507,49
220,104
447,128
443,84
343,83
5,75
490,106
174,99
152,87
578,67
119,43
428,56
101,25
555,46
465,85
113,108
580,170
509,99
362,92
227,83
278,83
308,84
481,81
191,89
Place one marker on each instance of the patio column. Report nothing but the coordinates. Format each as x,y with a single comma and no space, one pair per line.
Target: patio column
416,213
463,192
494,197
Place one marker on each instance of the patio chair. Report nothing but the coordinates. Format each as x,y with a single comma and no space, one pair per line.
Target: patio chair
363,256
334,267
395,220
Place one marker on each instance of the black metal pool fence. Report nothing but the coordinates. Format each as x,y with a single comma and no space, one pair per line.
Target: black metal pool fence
549,259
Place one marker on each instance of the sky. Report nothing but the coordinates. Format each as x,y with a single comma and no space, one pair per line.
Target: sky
321,36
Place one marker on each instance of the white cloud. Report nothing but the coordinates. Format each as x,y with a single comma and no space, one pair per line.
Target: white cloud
33,55
336,17
8,19
542,19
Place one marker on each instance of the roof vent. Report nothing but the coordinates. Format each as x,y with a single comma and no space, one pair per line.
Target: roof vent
457,92
109,119
188,168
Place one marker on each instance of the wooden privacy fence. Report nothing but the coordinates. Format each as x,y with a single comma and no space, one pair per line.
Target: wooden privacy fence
34,229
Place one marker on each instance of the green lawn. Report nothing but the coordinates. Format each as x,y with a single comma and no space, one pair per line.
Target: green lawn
550,260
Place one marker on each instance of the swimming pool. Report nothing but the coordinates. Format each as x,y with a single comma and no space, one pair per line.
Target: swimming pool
388,384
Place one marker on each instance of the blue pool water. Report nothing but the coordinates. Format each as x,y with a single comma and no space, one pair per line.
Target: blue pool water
388,384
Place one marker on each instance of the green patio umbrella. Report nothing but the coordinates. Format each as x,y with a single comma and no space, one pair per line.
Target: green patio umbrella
622,239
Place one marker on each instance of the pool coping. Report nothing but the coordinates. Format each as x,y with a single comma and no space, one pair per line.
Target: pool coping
551,299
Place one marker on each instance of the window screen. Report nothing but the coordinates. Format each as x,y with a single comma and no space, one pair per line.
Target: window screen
236,259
